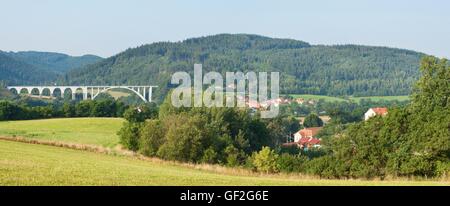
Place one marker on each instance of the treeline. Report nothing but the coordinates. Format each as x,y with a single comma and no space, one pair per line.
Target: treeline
305,69
10,110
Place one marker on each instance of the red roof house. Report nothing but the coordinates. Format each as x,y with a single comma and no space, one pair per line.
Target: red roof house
375,111
304,138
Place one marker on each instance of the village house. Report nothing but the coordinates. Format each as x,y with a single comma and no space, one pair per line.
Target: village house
375,111
305,138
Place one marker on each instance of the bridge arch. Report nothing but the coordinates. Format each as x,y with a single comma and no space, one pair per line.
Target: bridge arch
46,92
130,89
78,93
14,91
67,93
35,91
24,91
58,92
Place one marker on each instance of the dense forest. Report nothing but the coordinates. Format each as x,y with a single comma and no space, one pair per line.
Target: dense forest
38,67
305,69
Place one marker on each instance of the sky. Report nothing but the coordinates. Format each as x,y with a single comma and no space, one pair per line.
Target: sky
107,27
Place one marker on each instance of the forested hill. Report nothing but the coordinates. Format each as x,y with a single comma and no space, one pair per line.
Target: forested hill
13,72
305,68
51,61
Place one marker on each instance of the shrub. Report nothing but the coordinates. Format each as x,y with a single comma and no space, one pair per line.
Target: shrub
184,139
232,155
134,115
68,109
209,156
443,169
322,166
129,135
291,163
9,111
151,137
266,160
313,120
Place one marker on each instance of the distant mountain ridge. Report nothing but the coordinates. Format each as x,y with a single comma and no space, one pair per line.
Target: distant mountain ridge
14,72
304,68
52,61
31,67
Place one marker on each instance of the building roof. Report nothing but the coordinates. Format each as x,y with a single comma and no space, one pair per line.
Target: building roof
380,110
309,132
309,140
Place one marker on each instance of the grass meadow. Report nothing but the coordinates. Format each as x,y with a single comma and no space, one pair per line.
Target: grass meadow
90,131
355,99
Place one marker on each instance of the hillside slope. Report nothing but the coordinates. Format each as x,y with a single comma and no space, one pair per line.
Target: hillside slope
305,69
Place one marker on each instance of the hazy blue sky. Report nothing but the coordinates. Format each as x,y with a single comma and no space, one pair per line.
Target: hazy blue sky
106,27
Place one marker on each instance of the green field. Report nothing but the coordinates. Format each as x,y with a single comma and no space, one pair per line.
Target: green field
90,131
317,97
116,94
356,99
380,98
32,164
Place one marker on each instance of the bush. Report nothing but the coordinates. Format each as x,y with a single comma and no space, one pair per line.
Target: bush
151,137
312,120
443,169
9,111
184,139
134,115
209,156
232,156
68,110
418,166
326,167
266,160
141,113
291,163
129,135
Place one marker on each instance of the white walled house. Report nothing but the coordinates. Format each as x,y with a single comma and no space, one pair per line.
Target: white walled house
375,111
